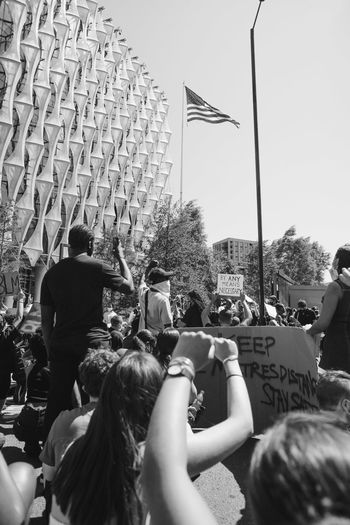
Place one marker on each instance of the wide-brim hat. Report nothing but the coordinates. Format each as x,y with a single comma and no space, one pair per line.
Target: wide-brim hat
158,275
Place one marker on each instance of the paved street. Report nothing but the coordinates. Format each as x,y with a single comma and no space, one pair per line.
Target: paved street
217,485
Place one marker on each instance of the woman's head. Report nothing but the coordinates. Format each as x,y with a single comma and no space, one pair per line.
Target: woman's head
128,395
148,339
342,258
300,470
166,342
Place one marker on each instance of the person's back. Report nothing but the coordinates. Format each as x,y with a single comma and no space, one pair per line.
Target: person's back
76,285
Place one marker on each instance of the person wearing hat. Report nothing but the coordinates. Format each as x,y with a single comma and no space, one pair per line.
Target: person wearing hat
155,299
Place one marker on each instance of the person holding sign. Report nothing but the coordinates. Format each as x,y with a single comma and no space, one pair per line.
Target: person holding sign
334,319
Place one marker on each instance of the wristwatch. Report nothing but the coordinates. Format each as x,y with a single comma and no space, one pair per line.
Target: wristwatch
181,366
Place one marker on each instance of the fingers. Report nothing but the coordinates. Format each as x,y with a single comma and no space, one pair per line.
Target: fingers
225,348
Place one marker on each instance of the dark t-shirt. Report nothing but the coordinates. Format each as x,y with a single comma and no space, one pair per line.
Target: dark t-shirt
305,316
74,288
8,356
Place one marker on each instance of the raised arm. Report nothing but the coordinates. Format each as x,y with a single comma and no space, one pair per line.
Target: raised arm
248,316
171,496
216,443
19,312
330,303
127,287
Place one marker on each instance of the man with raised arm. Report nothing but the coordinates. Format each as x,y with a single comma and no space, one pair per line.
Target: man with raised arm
72,314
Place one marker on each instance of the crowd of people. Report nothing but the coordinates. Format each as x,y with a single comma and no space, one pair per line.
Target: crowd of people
111,399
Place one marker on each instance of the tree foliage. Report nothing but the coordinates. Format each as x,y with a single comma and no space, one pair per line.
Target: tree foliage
300,259
179,244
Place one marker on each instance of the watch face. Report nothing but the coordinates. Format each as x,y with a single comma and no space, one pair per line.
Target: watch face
174,370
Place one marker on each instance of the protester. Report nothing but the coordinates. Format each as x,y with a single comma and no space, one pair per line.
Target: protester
9,336
304,315
334,318
170,493
110,454
300,471
192,316
166,342
155,300
148,339
29,424
71,312
333,392
71,424
107,316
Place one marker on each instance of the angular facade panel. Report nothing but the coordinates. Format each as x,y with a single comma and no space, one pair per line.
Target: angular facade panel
83,130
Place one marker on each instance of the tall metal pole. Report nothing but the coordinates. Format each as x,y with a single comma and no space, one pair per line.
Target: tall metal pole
257,169
182,144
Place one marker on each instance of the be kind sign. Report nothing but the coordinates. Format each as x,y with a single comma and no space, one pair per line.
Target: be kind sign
230,284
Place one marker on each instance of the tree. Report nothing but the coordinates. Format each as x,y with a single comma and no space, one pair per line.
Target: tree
300,259
179,244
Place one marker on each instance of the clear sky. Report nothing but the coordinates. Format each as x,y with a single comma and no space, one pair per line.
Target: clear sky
303,83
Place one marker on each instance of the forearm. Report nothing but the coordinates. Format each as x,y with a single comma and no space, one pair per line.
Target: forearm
247,314
170,493
124,270
47,329
19,312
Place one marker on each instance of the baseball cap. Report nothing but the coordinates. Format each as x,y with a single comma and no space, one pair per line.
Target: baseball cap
158,275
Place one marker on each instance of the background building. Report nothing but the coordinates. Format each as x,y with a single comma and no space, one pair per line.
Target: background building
83,128
236,250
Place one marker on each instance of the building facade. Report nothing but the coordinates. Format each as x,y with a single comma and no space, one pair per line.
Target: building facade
83,129
236,250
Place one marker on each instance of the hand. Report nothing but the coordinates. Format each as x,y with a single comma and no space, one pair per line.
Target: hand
345,276
242,296
194,346
225,348
118,251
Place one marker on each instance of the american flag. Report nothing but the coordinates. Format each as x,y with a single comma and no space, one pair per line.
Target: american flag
198,109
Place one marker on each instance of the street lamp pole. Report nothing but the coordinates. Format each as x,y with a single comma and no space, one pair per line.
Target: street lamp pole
257,170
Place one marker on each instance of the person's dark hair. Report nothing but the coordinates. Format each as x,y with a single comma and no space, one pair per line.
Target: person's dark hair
116,340
94,368
37,347
226,317
332,387
148,339
80,237
166,342
343,254
137,344
116,321
9,318
300,470
196,298
214,318
301,303
108,455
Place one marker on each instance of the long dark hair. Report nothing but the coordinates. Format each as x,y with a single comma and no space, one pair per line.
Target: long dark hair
96,480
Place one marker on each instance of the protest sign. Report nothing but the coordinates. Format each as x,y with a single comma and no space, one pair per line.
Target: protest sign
279,367
230,285
9,283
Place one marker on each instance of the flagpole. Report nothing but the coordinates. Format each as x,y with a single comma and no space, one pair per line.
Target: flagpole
182,144
257,170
